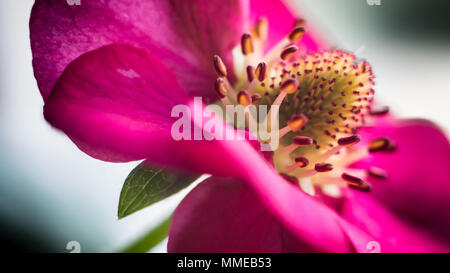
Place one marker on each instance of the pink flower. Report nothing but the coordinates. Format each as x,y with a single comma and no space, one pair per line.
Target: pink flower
110,75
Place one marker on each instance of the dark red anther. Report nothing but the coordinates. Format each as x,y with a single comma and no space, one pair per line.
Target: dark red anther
301,161
356,182
379,110
250,73
302,140
288,52
256,97
377,173
347,141
261,71
219,66
323,167
381,144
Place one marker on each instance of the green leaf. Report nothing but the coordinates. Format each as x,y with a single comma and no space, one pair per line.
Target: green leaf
146,185
150,239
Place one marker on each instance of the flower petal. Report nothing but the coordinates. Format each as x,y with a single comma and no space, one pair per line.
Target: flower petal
183,35
313,224
281,21
223,215
417,188
114,101
390,232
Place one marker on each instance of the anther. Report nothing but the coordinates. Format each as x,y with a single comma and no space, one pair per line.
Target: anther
302,141
296,34
379,110
323,167
298,141
221,88
246,44
297,122
261,28
250,73
356,182
301,161
289,86
300,23
288,52
256,97
348,141
261,71
244,98
380,144
377,173
219,66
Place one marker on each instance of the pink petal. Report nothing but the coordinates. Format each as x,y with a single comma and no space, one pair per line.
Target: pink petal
417,188
114,101
312,223
223,215
281,22
184,35
390,232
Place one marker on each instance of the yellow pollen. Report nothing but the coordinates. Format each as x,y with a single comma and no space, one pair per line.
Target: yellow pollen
244,98
220,67
297,122
260,71
289,86
296,34
246,44
288,52
261,29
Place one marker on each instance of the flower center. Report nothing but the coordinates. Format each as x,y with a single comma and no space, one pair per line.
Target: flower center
323,99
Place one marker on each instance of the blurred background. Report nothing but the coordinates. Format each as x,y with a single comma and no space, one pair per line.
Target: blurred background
52,193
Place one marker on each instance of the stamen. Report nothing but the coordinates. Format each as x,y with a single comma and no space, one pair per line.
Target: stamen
343,142
377,173
296,34
349,141
300,22
301,161
381,144
261,71
297,122
256,97
244,98
289,86
246,44
288,52
262,28
283,131
298,141
302,141
250,73
323,167
379,110
356,183
222,90
219,66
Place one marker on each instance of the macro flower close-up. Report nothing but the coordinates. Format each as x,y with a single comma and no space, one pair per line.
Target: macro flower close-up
296,145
